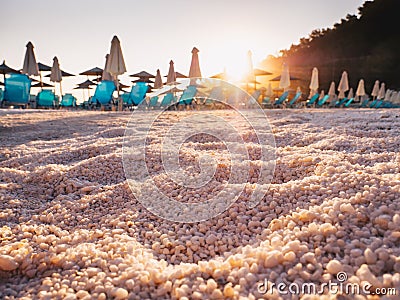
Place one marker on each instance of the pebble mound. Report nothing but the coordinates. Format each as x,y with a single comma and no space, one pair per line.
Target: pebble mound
71,229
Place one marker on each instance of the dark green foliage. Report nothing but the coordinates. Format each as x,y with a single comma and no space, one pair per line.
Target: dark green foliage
366,46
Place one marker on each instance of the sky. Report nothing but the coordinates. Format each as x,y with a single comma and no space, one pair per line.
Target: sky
152,33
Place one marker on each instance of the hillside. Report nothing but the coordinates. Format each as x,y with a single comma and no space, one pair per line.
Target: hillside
366,45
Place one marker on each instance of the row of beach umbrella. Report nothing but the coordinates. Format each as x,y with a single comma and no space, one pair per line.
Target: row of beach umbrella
115,66
378,90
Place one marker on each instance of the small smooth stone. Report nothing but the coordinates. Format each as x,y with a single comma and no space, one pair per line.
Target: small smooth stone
334,267
7,263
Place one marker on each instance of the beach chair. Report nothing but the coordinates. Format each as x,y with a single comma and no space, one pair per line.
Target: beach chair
153,103
347,104
364,104
256,94
168,100
216,94
16,90
342,102
293,101
281,99
125,98
46,98
312,101
266,102
373,103
68,100
138,93
379,104
103,94
323,100
333,103
187,96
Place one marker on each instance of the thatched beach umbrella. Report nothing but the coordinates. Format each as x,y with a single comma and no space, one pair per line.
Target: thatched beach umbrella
375,89
42,85
86,85
343,85
96,71
4,69
143,74
116,64
56,75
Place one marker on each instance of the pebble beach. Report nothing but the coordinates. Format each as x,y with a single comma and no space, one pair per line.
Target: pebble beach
70,227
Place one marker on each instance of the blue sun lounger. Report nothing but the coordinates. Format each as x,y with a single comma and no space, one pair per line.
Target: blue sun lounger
68,100
153,102
168,100
16,90
216,94
138,93
294,100
187,96
364,104
281,99
323,100
347,104
312,101
104,93
46,98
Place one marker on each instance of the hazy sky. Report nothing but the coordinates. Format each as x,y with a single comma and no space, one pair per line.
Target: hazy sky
152,33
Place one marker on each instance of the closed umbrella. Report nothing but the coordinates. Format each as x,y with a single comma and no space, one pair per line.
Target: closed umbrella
398,97
171,77
55,75
381,93
194,70
350,94
284,83
116,64
360,89
387,95
343,85
158,81
331,91
322,95
30,66
393,97
314,84
105,75
250,70
269,91
375,89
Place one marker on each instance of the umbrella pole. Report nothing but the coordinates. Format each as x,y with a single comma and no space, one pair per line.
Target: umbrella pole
119,100
41,82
